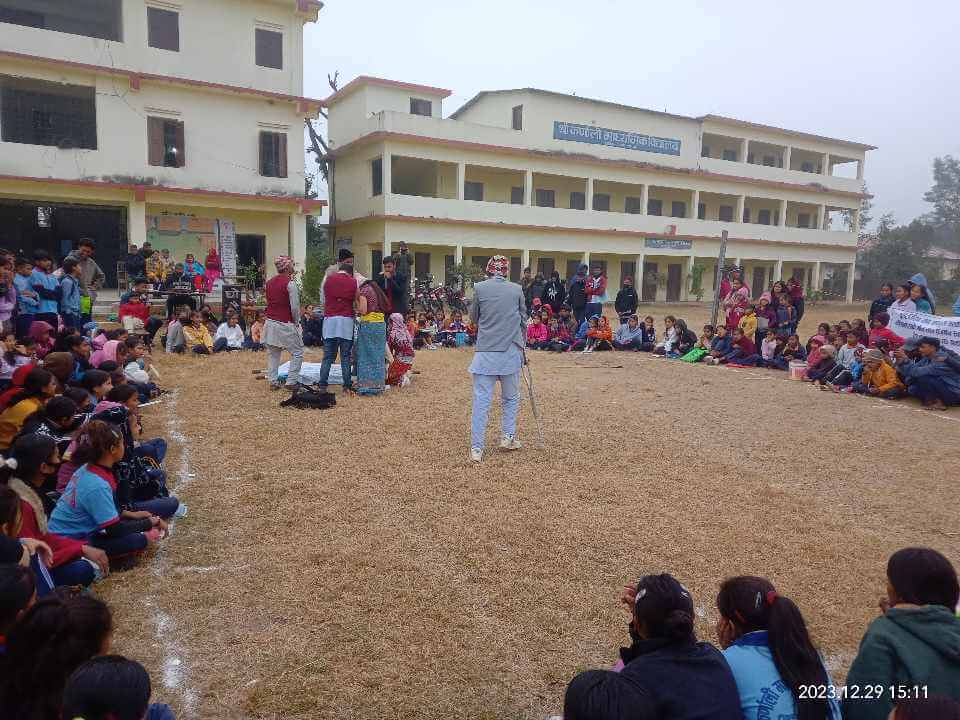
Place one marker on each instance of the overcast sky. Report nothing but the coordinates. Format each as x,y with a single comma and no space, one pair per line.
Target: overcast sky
878,72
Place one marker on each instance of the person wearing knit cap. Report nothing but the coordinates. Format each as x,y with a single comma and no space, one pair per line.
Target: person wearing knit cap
498,311
281,331
879,378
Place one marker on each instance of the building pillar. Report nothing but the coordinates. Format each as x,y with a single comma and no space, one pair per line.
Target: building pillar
783,213
638,275
586,259
850,279
588,201
644,198
744,150
777,272
386,249
524,259
461,180
821,217
855,225
695,212
136,224
688,280
815,280
387,170
298,238
528,187
741,206
860,170
826,163
787,151
458,255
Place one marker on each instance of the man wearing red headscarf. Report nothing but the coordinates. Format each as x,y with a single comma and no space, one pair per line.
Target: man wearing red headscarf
282,331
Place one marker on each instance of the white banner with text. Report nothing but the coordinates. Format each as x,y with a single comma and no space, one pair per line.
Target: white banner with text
915,324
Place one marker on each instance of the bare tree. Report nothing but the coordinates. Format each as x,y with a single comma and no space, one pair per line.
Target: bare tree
319,148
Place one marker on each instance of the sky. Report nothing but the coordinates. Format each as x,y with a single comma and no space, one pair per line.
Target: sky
883,73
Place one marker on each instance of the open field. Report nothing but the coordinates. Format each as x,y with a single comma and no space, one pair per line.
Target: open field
351,563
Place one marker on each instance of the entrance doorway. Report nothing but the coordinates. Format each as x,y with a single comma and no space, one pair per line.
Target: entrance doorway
252,249
674,274
757,286
648,290
31,225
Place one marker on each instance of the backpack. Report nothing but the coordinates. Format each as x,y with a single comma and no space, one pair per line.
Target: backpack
310,399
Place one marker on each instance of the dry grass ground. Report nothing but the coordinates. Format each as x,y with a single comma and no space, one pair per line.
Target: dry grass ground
352,563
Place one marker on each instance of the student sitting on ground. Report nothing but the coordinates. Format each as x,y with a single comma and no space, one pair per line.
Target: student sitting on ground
768,349
559,336
455,333
599,336
36,459
742,350
720,345
748,322
110,687
197,336
568,320
822,362
580,339
88,509
667,345
538,336
138,308
792,351
766,318
702,347
859,328
648,337
629,335
849,363
665,672
229,337
914,642
136,372
38,387
879,330
933,377
878,377
176,341
766,644
53,638
254,340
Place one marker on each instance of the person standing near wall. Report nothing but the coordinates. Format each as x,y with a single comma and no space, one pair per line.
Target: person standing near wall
281,331
91,276
498,311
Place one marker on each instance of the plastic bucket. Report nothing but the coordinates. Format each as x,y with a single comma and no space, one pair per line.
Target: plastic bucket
798,369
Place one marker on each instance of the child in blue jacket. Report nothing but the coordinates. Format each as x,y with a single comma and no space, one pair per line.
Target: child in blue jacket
28,302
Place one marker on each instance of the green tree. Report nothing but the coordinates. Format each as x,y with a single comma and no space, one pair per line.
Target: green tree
945,193
898,252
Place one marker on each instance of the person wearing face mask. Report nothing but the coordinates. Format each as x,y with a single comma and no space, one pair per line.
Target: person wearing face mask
596,289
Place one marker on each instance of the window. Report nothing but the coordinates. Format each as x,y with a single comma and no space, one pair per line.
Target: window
545,198
746,214
515,269
601,201
730,155
725,213
421,265
702,211
516,195
163,29
633,205
776,217
518,117
705,151
273,154
654,207
806,167
269,49
376,261
678,209
545,266
473,191
99,19
803,220
376,176
769,160
763,217
165,142
448,263
421,107
36,112
578,201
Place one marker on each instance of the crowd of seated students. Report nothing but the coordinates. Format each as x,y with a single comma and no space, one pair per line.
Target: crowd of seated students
767,665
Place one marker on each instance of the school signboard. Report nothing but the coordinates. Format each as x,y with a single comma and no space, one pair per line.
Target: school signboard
652,243
916,324
614,138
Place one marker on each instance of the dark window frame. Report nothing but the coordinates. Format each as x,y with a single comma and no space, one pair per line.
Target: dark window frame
273,157
265,48
516,196
161,35
49,114
601,202
701,211
41,20
804,220
419,105
682,205
376,177
725,213
729,155
516,117
546,194
578,200
470,187
633,205
655,207
164,134
764,214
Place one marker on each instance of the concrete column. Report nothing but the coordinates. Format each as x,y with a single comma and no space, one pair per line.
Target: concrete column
741,204
461,179
695,211
298,238
777,272
786,157
859,169
528,187
638,275
586,258
688,280
850,278
821,216
387,165
644,198
783,213
815,280
524,259
826,163
458,255
387,250
137,224
588,203
744,150
856,223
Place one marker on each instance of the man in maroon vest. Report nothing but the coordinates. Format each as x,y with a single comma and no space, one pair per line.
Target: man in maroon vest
282,331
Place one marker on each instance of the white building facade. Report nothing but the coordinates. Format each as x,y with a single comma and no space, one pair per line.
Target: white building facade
178,122
554,180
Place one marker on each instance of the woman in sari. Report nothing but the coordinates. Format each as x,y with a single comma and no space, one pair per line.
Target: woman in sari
214,270
372,303
736,302
400,343
195,270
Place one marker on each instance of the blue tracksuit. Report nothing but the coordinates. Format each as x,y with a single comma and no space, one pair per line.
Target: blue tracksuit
25,305
46,286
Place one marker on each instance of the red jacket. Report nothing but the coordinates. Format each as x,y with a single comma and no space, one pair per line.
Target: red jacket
339,292
596,287
537,333
887,334
64,549
137,310
278,299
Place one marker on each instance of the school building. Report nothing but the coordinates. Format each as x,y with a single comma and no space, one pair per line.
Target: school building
553,180
174,121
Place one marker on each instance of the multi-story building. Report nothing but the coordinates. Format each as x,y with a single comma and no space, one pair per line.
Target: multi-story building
178,122
554,180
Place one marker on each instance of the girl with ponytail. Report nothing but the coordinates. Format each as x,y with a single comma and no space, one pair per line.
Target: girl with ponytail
770,652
